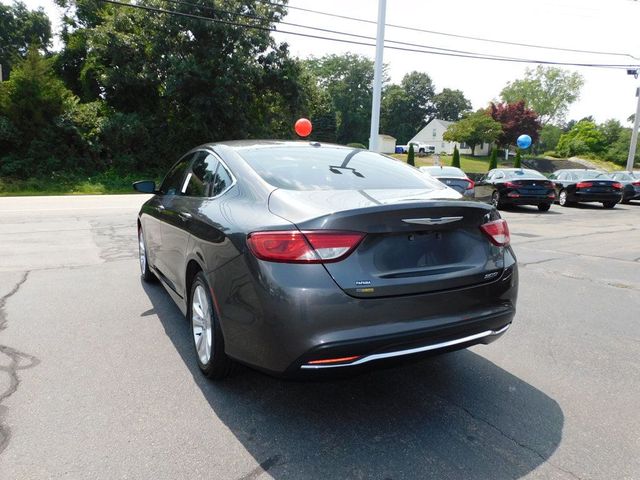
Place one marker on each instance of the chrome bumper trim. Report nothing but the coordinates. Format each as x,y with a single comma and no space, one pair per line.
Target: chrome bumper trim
426,348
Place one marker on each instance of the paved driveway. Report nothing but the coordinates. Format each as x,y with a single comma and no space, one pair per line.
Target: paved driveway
98,379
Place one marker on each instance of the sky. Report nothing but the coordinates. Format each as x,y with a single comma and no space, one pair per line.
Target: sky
574,24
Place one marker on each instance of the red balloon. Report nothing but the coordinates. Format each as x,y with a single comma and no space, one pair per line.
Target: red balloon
303,127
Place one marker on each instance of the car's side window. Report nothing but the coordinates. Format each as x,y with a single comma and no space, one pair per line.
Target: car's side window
172,183
498,175
221,180
201,175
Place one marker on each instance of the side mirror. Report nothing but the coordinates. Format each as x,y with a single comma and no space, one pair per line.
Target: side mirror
145,186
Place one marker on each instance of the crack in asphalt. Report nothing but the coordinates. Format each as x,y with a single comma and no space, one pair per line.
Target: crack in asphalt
520,444
18,361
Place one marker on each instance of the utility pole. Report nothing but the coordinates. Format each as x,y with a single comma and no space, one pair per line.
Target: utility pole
377,78
1,77
634,133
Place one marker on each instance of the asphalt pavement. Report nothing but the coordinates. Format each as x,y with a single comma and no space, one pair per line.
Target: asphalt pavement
98,378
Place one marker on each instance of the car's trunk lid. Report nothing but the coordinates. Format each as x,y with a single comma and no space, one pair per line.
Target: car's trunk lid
413,244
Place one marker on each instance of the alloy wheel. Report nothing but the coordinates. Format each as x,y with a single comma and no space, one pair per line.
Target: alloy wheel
201,324
562,200
142,251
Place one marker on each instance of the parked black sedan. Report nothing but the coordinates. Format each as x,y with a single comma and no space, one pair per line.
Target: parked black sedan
516,186
630,185
574,186
299,257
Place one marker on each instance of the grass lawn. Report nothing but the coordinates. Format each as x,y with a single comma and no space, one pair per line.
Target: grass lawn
100,184
468,163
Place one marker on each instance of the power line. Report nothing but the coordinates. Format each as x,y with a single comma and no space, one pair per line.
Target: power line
336,32
353,42
466,37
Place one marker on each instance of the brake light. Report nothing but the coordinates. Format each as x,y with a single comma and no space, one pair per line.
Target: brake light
636,184
497,231
584,184
513,195
471,185
303,247
511,185
617,185
550,185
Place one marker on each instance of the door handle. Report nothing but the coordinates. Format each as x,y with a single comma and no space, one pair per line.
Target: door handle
185,215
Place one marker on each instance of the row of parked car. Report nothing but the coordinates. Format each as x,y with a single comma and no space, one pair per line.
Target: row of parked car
503,187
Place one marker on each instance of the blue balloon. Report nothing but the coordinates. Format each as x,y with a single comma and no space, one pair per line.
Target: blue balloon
524,141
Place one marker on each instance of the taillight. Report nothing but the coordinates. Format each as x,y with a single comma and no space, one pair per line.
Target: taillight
511,185
497,231
303,247
636,184
584,184
471,185
550,185
617,185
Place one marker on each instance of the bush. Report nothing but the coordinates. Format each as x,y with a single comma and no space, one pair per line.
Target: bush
493,163
356,145
518,160
455,161
552,154
411,156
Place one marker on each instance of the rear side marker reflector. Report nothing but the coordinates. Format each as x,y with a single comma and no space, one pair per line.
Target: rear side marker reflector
497,232
321,246
333,360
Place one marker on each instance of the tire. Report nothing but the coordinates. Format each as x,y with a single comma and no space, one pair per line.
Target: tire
609,204
544,207
562,199
625,201
145,269
495,200
207,337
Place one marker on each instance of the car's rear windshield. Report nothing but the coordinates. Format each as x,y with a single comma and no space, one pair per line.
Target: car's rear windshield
332,168
444,171
591,174
523,173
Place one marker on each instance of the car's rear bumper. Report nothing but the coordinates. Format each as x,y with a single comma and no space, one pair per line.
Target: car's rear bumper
528,200
289,315
595,197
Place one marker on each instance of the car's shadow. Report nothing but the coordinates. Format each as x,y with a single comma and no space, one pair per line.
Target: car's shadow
532,209
453,416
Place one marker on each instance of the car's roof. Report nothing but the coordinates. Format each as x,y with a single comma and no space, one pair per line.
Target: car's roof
254,144
579,170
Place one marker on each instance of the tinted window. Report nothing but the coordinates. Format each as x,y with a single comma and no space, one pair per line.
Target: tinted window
524,173
221,181
172,183
201,175
330,168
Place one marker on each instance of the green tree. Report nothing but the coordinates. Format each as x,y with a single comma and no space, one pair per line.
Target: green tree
348,81
518,160
619,150
411,156
393,114
583,138
611,131
450,105
455,161
473,129
549,136
420,92
493,162
21,28
549,91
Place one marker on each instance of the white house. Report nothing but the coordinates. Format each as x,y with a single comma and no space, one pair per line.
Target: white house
432,134
386,143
